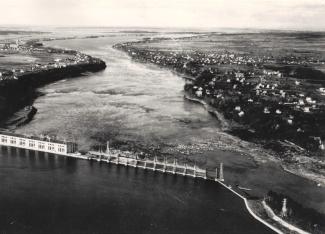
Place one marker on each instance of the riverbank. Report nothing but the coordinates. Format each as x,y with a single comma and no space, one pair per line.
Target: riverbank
247,88
268,107
291,147
290,142
19,81
294,168
21,117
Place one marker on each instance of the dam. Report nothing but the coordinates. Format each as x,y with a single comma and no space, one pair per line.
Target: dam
47,144
68,149
41,143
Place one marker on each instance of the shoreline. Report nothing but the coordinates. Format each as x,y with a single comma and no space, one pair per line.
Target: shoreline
283,150
213,111
136,54
311,176
236,97
19,91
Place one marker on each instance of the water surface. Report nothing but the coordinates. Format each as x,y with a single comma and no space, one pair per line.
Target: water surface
43,193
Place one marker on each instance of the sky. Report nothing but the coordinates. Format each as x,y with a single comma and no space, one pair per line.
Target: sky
273,14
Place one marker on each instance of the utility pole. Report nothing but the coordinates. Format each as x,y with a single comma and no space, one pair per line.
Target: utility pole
221,178
284,211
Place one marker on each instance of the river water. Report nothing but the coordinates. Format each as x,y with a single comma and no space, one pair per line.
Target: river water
52,194
127,103
136,107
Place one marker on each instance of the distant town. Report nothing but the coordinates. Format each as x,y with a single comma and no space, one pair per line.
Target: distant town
45,58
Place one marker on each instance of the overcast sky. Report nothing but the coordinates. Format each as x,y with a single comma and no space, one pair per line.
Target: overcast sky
294,14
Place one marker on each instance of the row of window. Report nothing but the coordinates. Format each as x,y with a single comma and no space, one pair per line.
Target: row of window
32,144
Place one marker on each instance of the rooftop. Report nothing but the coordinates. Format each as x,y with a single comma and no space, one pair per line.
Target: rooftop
39,138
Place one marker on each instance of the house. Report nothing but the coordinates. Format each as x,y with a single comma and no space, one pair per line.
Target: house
301,102
266,110
199,93
322,91
241,114
13,46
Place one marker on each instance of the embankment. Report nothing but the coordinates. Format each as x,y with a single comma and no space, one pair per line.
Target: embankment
17,93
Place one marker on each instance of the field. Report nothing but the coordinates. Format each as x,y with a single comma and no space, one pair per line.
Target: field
310,45
25,59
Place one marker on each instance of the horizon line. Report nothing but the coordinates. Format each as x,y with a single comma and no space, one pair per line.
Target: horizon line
172,27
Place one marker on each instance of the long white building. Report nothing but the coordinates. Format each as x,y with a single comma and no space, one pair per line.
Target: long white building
37,143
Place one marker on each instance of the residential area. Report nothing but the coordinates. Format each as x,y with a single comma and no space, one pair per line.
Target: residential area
274,99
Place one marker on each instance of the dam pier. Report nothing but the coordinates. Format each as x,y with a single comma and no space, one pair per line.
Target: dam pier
70,149
164,166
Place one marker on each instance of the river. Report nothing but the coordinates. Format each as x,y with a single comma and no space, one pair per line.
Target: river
136,107
52,194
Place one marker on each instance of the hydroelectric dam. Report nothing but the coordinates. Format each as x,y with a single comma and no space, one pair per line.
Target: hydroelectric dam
65,148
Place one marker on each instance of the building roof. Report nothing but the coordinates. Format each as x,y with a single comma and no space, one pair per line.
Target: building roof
46,139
